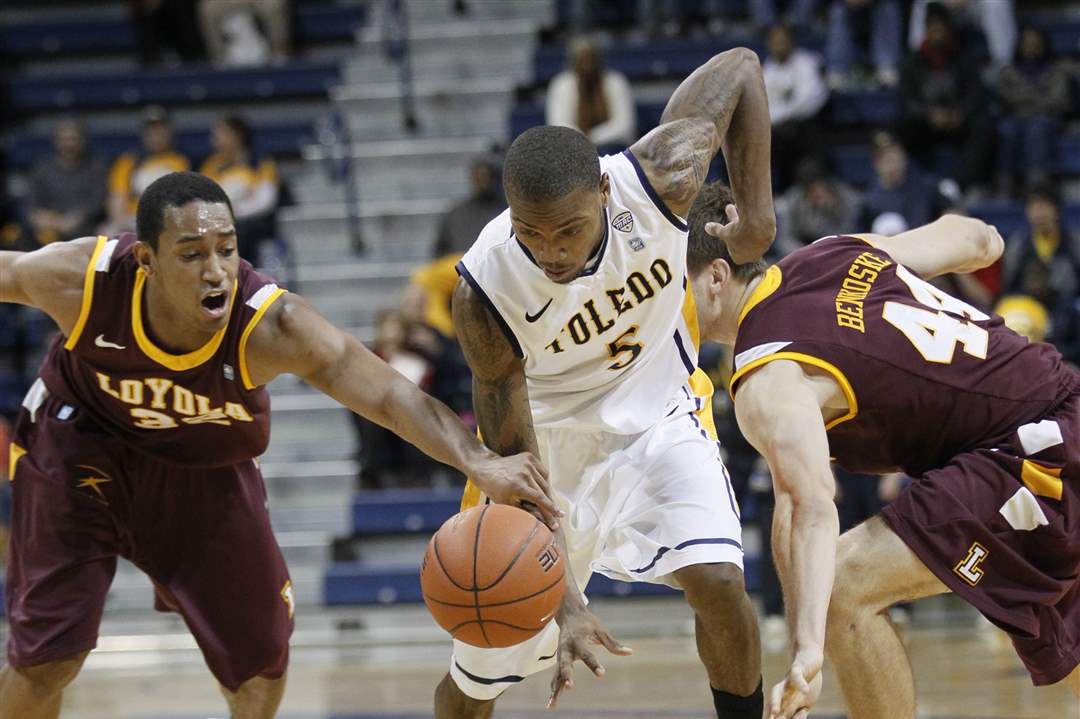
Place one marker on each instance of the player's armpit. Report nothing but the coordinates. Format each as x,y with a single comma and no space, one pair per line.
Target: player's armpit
952,243
51,279
500,395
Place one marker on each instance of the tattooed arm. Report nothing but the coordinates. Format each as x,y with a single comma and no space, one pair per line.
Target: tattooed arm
501,405
721,106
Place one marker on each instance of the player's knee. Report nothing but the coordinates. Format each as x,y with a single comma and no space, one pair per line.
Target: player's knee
848,598
712,586
51,677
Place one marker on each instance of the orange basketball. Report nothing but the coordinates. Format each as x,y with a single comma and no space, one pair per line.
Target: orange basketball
492,576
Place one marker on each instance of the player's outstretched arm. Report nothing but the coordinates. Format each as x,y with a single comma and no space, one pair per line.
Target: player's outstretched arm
501,404
295,338
951,243
720,106
779,410
50,279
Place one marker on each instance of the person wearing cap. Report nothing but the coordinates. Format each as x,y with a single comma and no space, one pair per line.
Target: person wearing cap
133,172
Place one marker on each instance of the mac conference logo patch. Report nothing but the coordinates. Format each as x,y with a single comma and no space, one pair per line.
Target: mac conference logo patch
623,222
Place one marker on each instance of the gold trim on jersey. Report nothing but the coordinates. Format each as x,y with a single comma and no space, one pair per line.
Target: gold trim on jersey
1042,480
178,363
702,387
849,393
244,376
15,453
689,313
471,497
88,294
770,283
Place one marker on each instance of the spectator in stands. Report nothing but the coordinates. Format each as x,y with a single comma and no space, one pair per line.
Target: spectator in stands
462,223
250,181
862,33
993,20
167,23
819,205
67,190
592,99
233,36
943,104
133,172
796,92
386,460
899,187
1034,94
1042,260
800,13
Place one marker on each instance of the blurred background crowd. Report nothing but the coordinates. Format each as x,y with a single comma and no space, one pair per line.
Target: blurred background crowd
360,141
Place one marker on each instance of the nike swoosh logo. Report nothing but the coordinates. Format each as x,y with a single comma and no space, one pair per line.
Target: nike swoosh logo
533,318
100,341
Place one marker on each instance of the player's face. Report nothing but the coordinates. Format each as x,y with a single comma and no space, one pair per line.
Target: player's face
562,235
197,263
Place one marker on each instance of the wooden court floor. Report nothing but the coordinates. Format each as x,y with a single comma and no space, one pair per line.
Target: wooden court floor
961,672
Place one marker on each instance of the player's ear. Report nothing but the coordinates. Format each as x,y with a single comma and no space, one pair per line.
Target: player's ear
605,188
144,255
721,272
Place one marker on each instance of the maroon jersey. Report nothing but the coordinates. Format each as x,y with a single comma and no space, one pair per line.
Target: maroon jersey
926,375
198,409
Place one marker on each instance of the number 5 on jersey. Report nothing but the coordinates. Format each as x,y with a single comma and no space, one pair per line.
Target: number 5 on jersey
622,345
935,333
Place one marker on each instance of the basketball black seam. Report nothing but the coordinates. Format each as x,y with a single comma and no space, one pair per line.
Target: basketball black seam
493,621
476,589
438,559
496,604
520,551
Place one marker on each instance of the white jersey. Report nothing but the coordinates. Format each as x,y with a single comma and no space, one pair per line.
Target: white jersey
612,349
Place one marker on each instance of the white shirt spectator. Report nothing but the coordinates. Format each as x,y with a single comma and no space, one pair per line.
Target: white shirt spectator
795,88
621,125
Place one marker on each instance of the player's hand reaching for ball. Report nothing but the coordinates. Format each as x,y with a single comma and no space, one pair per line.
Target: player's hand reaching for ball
579,629
520,480
745,240
796,695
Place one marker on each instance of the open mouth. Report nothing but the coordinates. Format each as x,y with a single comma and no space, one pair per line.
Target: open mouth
214,302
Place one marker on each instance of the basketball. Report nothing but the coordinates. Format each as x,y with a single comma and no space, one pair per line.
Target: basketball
492,576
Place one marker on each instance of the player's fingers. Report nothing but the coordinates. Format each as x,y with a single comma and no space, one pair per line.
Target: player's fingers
589,659
715,229
803,713
732,214
545,505
776,699
611,645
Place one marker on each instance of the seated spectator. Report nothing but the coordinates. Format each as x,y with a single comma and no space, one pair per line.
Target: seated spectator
133,172
1042,260
1034,94
67,190
796,93
994,21
863,33
386,460
942,103
819,205
462,223
250,181
233,36
1024,315
900,187
596,101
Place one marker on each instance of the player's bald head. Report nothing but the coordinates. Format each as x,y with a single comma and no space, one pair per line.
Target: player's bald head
548,163
701,247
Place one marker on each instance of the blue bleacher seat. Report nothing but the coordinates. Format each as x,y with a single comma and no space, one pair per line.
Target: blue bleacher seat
278,140
300,78
403,510
313,23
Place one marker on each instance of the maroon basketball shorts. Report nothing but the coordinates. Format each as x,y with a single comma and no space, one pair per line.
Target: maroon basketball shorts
81,499
1001,528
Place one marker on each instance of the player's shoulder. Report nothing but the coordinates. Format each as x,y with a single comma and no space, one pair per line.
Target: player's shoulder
492,241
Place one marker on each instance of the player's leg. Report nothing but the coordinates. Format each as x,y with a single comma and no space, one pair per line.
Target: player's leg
257,698
452,703
874,570
241,620
61,558
1073,681
725,627
34,692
